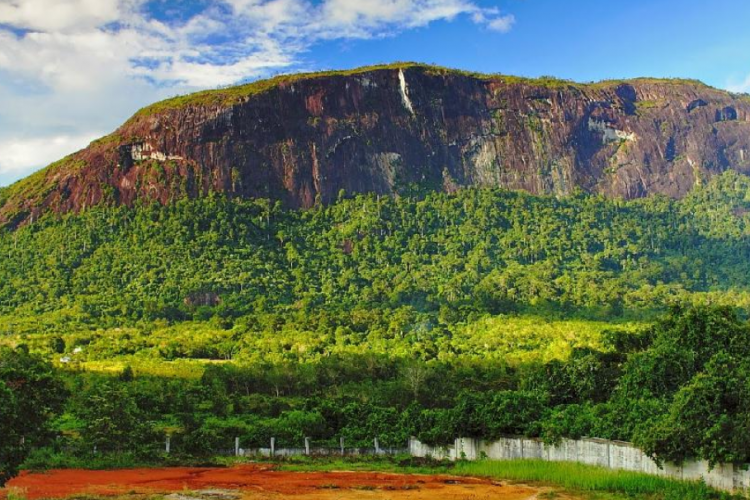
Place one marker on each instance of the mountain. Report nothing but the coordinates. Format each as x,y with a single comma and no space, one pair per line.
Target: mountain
390,129
224,311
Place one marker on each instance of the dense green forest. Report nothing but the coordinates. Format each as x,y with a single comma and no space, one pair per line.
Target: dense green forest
414,276
478,313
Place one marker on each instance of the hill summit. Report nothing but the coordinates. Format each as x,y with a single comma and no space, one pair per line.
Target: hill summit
302,139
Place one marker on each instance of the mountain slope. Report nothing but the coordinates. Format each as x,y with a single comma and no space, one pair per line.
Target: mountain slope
397,128
448,256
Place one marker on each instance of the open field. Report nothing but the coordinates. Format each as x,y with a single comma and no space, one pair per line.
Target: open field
328,479
590,481
261,482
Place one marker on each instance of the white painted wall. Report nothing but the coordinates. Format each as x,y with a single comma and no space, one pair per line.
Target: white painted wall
600,452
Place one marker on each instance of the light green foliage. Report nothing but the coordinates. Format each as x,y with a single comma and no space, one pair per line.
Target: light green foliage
426,277
527,339
585,478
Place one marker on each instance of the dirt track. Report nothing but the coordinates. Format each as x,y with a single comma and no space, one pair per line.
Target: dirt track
262,482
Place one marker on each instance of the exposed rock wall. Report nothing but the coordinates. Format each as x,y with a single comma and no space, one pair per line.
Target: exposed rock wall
385,130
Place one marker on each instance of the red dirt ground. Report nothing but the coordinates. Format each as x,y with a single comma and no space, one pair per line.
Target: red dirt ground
261,481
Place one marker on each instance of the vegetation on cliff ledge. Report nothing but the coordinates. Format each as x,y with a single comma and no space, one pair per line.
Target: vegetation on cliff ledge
233,95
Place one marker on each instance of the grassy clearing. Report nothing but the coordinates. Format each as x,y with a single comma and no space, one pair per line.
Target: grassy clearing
587,479
584,481
532,338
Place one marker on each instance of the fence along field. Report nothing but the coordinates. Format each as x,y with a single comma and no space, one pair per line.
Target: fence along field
308,449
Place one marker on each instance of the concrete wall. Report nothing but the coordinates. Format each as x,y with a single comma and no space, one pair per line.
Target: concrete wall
600,452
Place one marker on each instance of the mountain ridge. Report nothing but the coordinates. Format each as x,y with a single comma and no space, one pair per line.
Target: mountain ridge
303,138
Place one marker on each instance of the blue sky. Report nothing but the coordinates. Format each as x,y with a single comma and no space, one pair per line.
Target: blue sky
73,70
582,40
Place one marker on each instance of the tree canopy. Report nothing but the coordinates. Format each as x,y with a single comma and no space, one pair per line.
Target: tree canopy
31,395
479,313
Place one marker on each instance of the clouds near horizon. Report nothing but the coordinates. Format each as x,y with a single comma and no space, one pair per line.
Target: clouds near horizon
69,67
742,86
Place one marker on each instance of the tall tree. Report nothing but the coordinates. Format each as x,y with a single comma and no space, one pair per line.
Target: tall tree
31,394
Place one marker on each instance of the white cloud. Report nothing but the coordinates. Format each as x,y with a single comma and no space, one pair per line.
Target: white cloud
16,153
503,24
58,15
81,61
360,18
70,68
740,86
494,20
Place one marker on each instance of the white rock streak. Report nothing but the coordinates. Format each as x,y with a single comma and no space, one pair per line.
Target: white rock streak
405,91
610,134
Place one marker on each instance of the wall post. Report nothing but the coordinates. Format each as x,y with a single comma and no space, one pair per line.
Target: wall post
307,446
341,441
273,446
168,445
236,447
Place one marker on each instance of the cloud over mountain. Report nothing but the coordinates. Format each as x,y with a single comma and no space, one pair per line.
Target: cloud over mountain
71,69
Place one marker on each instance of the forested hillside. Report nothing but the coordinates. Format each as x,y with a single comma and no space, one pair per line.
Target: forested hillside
478,313
407,273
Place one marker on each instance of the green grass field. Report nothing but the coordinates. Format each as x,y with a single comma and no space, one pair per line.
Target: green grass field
594,481
585,481
581,480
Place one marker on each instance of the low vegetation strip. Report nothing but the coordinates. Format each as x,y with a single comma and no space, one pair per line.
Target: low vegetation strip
586,478
614,455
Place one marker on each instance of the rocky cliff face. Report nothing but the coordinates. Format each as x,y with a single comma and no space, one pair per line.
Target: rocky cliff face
304,138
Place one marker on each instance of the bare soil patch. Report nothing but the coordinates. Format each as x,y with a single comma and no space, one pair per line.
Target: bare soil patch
250,482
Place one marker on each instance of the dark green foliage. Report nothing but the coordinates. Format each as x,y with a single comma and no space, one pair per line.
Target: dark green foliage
57,345
114,420
31,394
704,355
